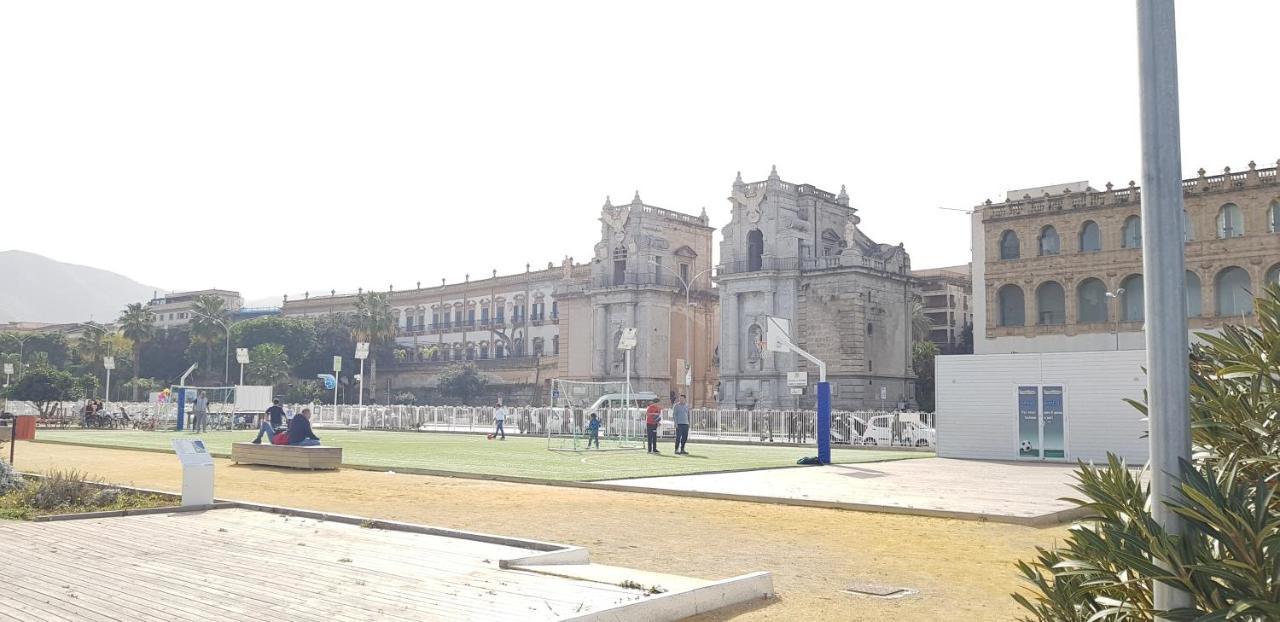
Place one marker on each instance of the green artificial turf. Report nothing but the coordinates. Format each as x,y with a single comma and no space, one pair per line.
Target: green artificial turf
515,457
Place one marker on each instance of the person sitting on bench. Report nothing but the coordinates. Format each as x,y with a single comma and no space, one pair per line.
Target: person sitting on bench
300,430
276,413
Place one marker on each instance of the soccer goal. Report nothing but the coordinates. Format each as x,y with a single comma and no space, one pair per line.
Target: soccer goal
229,407
569,418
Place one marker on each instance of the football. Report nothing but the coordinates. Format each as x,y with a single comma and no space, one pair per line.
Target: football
1027,447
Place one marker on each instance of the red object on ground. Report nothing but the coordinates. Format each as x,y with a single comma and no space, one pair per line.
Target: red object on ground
26,427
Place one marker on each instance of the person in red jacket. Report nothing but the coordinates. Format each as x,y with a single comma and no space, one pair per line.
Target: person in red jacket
652,417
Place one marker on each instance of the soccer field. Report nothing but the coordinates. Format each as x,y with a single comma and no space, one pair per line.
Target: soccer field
515,457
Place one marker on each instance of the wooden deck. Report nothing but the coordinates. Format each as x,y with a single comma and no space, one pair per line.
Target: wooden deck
243,565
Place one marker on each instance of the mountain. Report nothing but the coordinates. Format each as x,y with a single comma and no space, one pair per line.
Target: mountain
34,288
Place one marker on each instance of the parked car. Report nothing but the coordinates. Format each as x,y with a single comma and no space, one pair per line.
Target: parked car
880,430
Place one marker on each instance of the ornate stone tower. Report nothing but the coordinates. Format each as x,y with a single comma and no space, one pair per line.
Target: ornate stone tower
642,261
795,251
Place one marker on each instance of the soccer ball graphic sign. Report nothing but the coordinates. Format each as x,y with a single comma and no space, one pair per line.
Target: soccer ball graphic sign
1027,447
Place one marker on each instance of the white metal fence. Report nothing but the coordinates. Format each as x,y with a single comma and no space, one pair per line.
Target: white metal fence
878,428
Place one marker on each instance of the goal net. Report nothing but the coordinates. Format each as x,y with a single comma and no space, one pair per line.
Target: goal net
569,418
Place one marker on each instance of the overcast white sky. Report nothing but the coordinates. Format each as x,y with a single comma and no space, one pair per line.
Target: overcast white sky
274,147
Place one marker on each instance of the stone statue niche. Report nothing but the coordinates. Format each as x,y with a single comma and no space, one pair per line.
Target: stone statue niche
755,358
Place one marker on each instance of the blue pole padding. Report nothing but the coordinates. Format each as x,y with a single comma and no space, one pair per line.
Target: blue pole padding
182,408
824,422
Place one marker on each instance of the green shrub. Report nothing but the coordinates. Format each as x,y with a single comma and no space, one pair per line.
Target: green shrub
10,480
1228,557
61,489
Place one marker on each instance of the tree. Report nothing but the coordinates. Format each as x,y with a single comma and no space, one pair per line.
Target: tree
45,388
269,364
375,323
54,345
333,338
208,318
1228,557
138,324
966,340
923,354
165,355
462,382
921,325
296,335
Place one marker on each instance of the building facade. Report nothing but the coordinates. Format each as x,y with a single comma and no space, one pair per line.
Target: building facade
1061,268
175,309
648,263
945,295
795,251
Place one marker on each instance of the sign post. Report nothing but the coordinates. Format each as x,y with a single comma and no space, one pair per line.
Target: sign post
337,367
362,353
108,363
197,471
778,339
242,357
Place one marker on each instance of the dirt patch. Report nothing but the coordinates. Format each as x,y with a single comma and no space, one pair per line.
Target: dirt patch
962,569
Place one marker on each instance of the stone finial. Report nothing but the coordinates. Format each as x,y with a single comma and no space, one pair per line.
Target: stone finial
607,203
391,288
1253,166
636,199
1109,186
1046,194
1226,170
843,197
333,292
1201,171
359,291
466,278
495,273
773,173
1026,196
987,202
526,266
1133,184
419,284
286,297
703,215
1066,191
737,181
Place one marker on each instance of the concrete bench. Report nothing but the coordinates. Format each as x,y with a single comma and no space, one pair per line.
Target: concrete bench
291,456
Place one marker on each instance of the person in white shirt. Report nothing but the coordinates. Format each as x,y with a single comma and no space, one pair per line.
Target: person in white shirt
499,415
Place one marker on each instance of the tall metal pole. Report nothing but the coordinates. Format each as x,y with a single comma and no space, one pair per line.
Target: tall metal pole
1164,269
226,358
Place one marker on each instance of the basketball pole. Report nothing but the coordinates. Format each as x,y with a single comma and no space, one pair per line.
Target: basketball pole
778,339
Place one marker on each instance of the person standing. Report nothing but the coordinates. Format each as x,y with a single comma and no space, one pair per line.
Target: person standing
276,415
499,416
201,411
593,431
681,415
653,417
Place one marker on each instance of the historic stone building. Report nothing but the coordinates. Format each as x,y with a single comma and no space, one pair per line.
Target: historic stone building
795,251
508,324
645,258
1061,267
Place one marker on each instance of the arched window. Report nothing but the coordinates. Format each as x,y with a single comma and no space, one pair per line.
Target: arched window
1051,304
1009,248
1131,309
1193,294
499,351
555,344
755,250
484,350
1230,221
1188,231
1049,244
1012,306
1273,276
1090,237
1273,216
1232,289
1132,232
1091,302
537,346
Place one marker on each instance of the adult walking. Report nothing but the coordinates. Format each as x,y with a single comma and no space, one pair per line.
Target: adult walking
499,416
681,415
201,412
653,417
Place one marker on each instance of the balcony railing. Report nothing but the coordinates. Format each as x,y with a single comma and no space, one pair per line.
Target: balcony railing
807,264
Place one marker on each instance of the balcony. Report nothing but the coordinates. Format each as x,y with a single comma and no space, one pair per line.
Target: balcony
808,264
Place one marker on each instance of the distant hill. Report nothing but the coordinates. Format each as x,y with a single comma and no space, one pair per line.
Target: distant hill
34,288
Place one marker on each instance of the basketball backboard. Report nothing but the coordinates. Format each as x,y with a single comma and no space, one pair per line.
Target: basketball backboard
628,339
777,334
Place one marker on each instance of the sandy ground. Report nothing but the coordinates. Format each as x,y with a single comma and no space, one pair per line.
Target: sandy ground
963,570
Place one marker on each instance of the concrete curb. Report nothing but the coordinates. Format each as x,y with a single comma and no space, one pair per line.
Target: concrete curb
689,603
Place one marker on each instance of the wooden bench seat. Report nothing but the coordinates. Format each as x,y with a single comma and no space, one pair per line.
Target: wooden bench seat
291,456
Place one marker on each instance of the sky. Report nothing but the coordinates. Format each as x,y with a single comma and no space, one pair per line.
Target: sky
282,147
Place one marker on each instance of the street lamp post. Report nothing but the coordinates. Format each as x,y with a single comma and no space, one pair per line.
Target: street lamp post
1115,321
226,354
688,318
108,362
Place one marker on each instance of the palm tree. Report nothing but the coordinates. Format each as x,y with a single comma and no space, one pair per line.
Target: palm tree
208,310
921,325
138,324
375,323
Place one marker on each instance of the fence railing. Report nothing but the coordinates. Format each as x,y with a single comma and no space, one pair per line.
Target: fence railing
849,428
